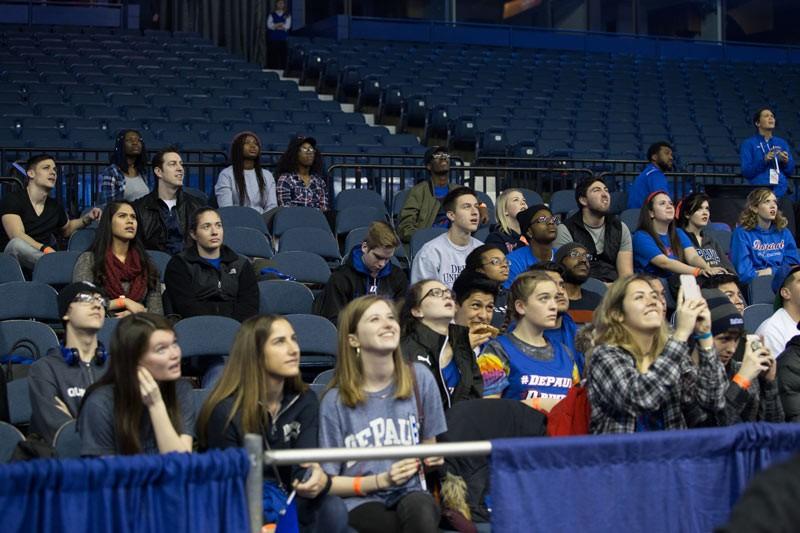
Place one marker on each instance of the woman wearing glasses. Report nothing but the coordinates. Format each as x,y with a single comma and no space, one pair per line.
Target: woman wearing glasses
117,261
209,278
490,260
300,181
430,338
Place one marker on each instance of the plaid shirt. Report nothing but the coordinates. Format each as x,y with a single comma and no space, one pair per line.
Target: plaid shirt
758,403
112,185
682,392
292,192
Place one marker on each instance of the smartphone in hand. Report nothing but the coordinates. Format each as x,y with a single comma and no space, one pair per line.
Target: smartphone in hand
691,290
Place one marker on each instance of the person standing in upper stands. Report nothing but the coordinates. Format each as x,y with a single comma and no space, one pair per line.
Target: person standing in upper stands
209,278
375,400
117,262
279,22
641,378
761,243
574,259
126,177
163,215
245,182
140,405
444,257
652,178
767,160
491,261
300,181
524,364
430,338
32,219
778,329
605,236
367,270
659,248
693,215
59,380
261,391
539,227
752,391
506,232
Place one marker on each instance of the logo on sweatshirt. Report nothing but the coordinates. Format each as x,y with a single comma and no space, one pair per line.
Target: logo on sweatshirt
767,246
426,358
76,392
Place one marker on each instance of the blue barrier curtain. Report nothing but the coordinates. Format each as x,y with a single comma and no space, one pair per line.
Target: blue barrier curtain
656,482
171,493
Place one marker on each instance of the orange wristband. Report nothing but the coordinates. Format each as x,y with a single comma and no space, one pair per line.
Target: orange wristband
120,302
48,250
743,382
357,486
697,271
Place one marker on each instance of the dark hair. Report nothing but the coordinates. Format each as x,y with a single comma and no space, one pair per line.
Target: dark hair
36,159
237,161
449,201
130,341
288,162
411,300
158,157
655,147
103,238
196,214
757,115
475,258
548,266
582,188
687,207
469,282
119,158
646,225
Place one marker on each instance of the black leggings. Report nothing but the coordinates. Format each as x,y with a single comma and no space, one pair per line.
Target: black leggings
415,512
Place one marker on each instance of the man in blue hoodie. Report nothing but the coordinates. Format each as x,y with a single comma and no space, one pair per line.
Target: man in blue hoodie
368,270
766,160
652,177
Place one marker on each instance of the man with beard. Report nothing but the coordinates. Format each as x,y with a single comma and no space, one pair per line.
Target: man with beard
574,259
538,225
652,178
603,235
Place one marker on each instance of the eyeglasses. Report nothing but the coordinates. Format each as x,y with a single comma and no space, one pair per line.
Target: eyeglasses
441,155
496,261
308,149
575,254
436,292
547,220
86,298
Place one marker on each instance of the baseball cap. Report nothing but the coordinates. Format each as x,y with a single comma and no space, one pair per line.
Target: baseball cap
524,217
433,150
724,315
67,295
564,251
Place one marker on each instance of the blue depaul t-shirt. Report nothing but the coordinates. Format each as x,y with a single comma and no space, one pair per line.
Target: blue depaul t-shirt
645,249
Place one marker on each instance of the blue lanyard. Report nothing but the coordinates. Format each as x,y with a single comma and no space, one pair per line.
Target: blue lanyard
770,148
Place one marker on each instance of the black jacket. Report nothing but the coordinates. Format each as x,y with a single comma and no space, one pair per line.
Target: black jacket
603,266
195,287
352,280
789,379
423,345
152,228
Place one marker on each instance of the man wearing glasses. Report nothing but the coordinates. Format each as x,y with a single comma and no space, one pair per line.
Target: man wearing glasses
59,380
424,207
538,225
604,235
575,260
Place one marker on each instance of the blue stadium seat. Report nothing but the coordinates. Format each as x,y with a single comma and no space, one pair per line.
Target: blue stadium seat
26,338
314,240
282,297
354,217
756,313
206,336
161,260
421,236
55,269
317,338
10,437
305,267
248,241
28,300
562,202
67,441
242,216
10,269
358,198
293,217
761,291
81,240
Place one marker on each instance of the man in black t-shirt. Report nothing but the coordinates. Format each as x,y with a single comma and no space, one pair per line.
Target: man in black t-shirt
575,259
31,219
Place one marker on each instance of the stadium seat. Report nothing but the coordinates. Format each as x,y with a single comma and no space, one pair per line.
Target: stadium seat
531,197
10,269
562,202
595,285
107,331
248,241
305,267
55,269
421,236
28,300
324,377
26,338
81,240
161,260
354,217
631,218
283,297
314,240
761,291
9,438
755,314
67,441
293,217
243,217
358,198
317,338
206,336
19,401
721,236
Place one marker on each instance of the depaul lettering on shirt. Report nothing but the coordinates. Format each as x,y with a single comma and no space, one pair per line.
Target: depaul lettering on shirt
768,246
385,432
448,278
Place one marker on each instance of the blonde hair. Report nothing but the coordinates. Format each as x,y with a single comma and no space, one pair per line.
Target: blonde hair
521,289
609,322
244,377
349,373
500,210
748,219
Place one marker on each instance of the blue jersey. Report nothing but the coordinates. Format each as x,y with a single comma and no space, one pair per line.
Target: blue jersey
529,378
755,168
645,249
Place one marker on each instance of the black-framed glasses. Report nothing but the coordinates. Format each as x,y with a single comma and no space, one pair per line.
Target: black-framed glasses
496,261
575,254
87,298
436,292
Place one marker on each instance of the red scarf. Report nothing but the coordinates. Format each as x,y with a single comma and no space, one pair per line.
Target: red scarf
130,271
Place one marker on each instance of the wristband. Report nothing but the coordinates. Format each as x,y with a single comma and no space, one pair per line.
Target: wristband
357,486
120,302
705,335
697,271
42,247
482,205
743,382
48,250
327,486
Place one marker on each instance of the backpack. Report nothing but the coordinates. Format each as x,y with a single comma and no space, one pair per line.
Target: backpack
571,415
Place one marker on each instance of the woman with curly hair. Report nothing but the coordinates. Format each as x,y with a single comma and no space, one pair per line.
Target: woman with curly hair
300,181
126,177
761,242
